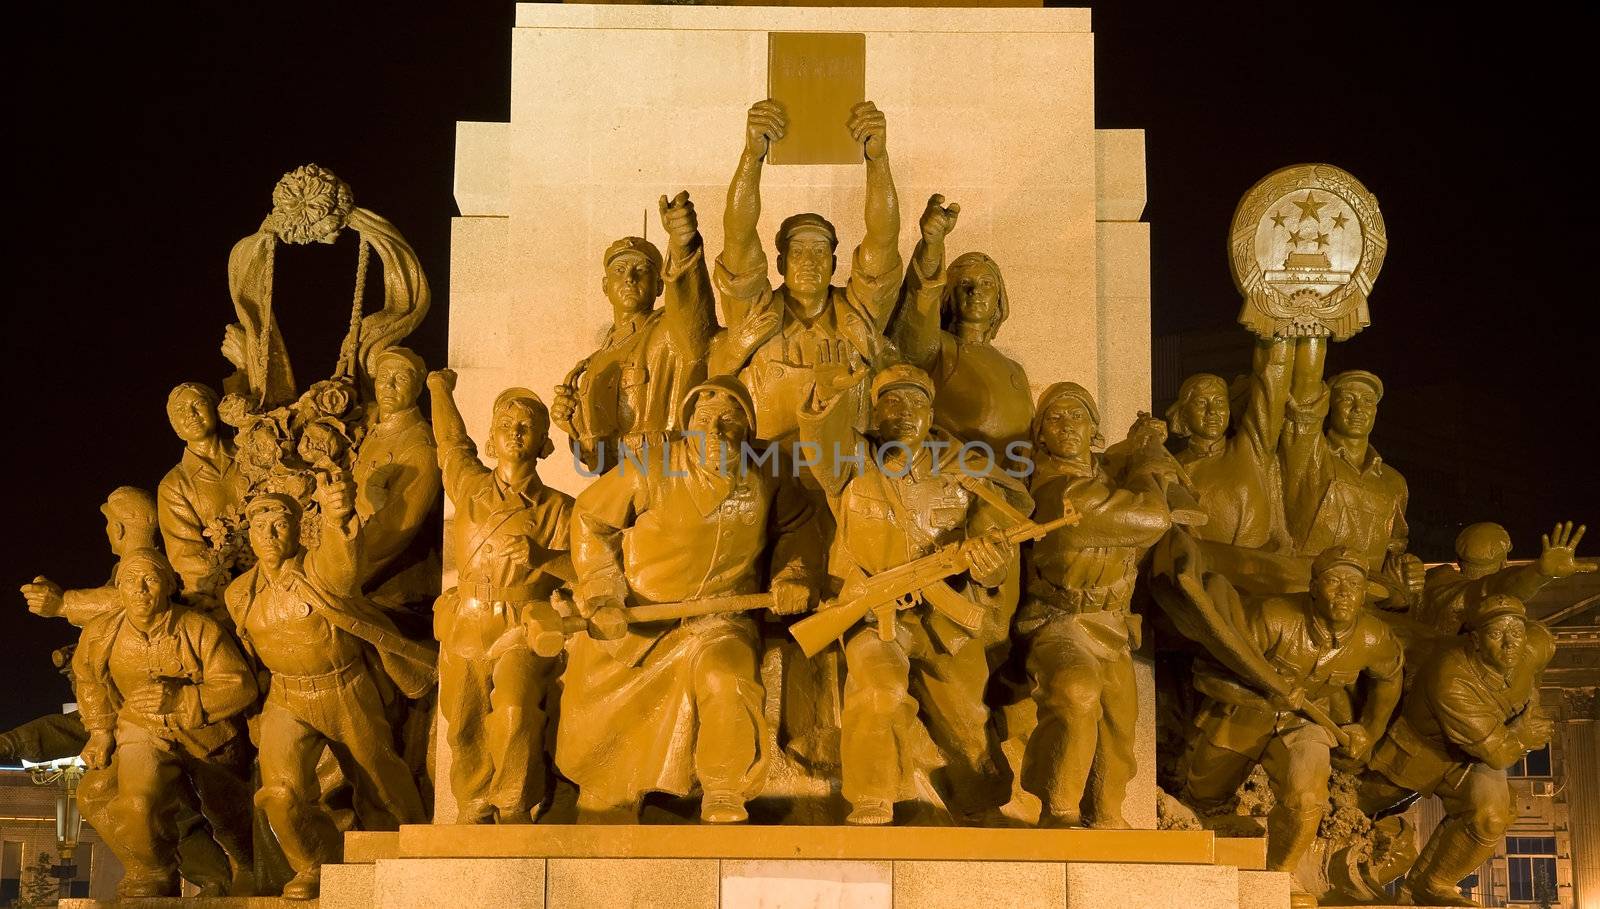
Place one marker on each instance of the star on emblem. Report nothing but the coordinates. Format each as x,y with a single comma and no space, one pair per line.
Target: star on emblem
1338,220
1277,219
1322,240
1309,206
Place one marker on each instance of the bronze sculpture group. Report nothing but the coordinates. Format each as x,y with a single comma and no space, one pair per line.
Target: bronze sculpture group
857,468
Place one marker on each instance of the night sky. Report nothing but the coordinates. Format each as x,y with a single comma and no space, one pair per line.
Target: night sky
146,141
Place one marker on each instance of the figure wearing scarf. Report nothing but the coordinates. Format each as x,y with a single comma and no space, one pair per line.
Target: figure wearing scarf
671,704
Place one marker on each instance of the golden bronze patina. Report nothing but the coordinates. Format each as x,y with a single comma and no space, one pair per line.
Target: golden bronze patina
817,77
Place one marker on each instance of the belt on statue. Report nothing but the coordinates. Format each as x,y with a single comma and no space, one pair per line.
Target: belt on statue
322,681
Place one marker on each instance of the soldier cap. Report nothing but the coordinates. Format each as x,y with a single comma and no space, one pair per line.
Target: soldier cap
725,384
901,374
638,246
1334,556
404,355
1493,607
1485,541
1357,375
273,501
153,557
130,506
806,222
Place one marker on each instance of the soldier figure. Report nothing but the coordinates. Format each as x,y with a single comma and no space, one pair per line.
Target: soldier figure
676,701
300,613
1451,591
945,326
907,498
1337,490
1235,474
1076,618
202,492
162,690
631,386
511,534
396,470
1323,644
1471,713
776,338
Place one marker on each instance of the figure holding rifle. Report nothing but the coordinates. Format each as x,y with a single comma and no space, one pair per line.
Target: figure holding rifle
913,500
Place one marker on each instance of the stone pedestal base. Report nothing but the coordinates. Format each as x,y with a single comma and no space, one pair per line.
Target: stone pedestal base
778,867
192,902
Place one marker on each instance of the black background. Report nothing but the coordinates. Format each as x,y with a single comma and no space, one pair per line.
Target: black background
146,139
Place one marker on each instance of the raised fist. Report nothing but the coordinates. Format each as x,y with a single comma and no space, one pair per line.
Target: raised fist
677,217
336,493
938,219
868,127
765,125
443,379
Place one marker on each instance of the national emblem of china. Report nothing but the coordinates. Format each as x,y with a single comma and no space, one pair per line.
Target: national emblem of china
1306,245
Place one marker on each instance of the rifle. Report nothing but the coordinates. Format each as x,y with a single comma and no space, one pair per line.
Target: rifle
920,580
549,625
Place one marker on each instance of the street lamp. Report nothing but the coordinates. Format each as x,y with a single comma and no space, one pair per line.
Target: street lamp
69,822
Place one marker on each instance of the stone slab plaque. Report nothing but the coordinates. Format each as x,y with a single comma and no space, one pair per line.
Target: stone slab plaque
817,77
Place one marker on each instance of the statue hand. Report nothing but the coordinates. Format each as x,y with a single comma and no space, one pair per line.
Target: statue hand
868,127
563,407
1148,431
754,329
765,124
1535,730
679,221
1413,573
1290,702
938,220
1360,744
989,556
442,380
789,598
1559,557
233,344
336,493
44,597
97,751
150,700
834,373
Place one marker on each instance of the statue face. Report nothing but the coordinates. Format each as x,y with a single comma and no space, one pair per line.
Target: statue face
631,283
720,418
192,417
1067,429
1499,643
517,434
808,263
977,294
144,590
903,414
1206,412
1338,593
274,535
1354,409
396,386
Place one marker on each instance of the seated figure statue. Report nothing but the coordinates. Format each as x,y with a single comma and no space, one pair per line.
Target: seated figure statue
677,700
163,689
1471,712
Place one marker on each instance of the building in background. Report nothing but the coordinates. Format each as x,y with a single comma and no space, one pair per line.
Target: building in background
28,827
